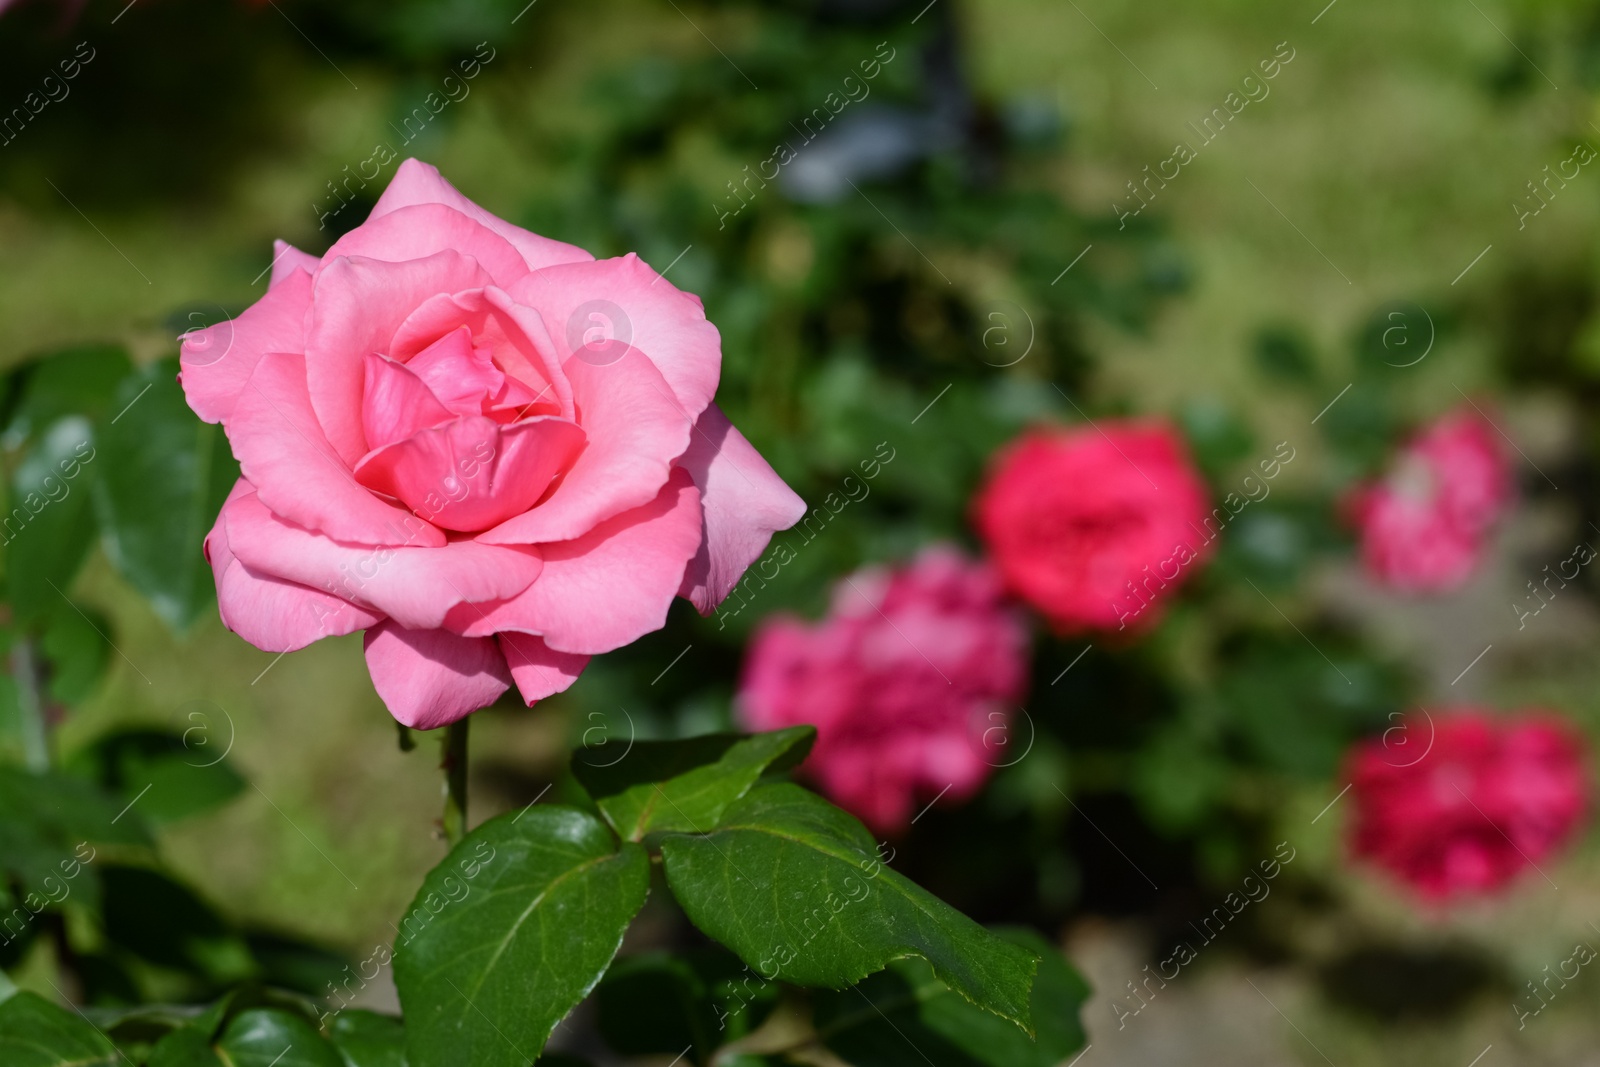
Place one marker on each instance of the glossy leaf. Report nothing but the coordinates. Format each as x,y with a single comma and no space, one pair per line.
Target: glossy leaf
367,1039
241,1027
37,1033
270,1037
48,523
511,931
906,1017
134,1029
686,785
794,886
163,478
185,1048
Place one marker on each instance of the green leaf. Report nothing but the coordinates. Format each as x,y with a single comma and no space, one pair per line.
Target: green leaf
185,1048
37,1033
512,930
77,381
269,1037
49,827
75,646
686,785
170,779
905,1017
247,1027
164,477
794,886
136,1028
367,1039
49,521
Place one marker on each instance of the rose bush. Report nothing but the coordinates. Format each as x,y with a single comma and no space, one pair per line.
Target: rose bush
1096,524
1489,798
495,454
1425,525
911,682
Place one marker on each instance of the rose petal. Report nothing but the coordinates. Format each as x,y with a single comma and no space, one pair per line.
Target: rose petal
286,259
664,323
431,678
216,362
215,546
607,588
635,431
281,616
356,308
460,375
415,182
416,587
395,403
514,337
539,670
744,501
272,614
281,447
472,473
421,230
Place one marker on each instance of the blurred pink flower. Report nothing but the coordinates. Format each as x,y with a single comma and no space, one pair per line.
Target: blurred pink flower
1095,525
911,681
1491,797
1424,526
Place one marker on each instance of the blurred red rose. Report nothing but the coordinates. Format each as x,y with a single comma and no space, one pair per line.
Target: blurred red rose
910,680
1425,525
1095,525
1490,798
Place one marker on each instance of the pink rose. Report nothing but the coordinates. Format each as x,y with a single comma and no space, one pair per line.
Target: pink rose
1490,798
495,454
1425,526
911,682
1095,525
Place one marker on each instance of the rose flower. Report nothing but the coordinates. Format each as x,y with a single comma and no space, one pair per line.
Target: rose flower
911,682
1490,798
1425,526
495,454
1095,525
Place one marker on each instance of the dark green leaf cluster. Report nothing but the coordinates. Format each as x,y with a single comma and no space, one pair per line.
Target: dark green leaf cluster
523,919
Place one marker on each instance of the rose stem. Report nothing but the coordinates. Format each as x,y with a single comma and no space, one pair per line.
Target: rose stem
454,765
